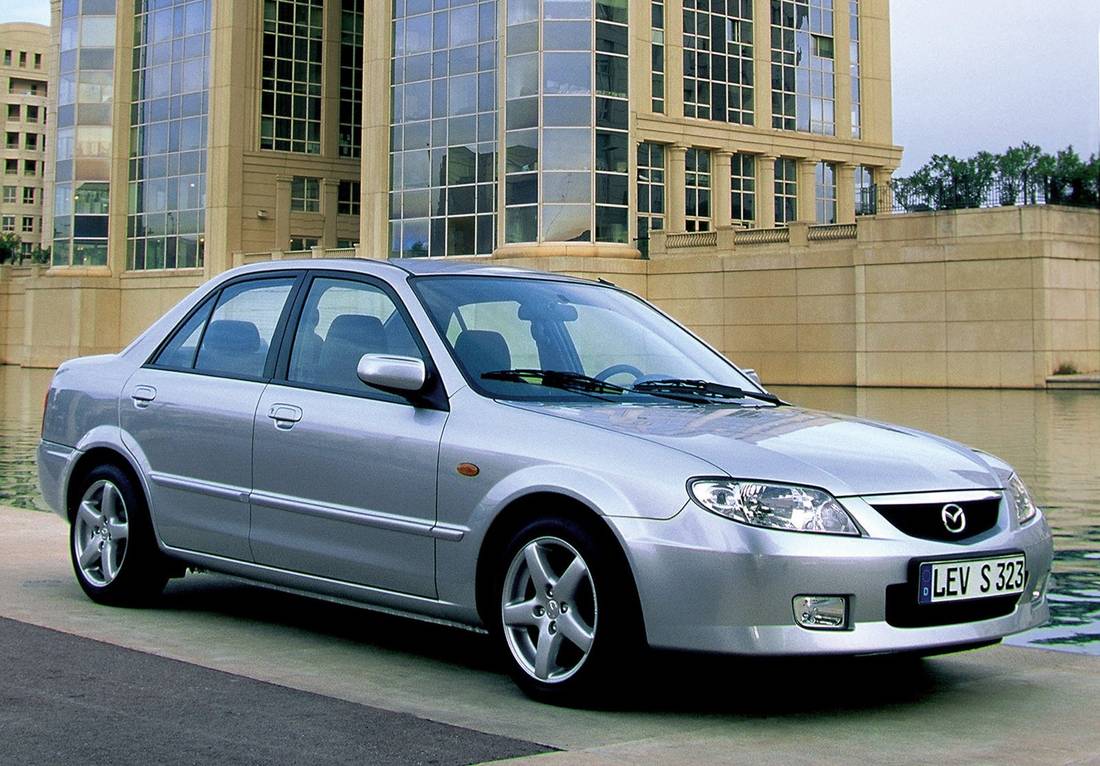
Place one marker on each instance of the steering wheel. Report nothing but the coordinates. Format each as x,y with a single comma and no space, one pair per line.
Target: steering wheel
615,369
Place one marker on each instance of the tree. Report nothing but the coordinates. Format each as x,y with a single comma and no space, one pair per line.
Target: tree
10,244
1016,171
1020,175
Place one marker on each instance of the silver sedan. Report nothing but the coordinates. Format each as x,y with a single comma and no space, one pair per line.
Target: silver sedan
547,458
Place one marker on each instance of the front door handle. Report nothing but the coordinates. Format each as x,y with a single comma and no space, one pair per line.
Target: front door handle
285,415
143,395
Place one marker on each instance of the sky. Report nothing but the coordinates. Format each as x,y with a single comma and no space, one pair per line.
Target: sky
968,75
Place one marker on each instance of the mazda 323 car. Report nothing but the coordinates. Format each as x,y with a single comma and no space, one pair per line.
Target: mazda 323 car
548,458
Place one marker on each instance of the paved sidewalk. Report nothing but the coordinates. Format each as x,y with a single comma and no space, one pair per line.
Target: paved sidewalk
1002,705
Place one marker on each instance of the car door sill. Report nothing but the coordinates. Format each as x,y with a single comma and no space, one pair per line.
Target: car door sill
380,600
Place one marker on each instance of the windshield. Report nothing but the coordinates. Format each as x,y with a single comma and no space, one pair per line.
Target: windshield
500,325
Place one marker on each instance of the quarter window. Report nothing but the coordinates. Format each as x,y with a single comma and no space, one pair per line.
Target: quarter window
340,321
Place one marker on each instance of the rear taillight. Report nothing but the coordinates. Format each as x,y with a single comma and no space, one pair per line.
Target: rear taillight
45,404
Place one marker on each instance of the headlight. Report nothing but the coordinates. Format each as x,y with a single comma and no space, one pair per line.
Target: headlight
1021,498
776,506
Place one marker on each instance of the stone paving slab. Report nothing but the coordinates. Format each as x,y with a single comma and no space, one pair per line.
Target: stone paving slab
996,705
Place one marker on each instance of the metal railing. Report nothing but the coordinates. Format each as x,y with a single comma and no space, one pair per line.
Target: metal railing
901,196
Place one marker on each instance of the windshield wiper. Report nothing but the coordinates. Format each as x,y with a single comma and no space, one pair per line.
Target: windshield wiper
694,390
569,381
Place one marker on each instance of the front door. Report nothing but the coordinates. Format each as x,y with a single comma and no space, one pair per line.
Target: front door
345,475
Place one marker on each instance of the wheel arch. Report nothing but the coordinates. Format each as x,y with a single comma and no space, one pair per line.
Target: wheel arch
546,504
88,461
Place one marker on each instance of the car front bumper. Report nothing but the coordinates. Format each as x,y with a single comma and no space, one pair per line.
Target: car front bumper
710,584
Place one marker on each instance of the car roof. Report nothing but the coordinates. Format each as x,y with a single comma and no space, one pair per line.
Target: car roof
410,266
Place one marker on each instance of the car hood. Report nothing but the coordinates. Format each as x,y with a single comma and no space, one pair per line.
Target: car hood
845,455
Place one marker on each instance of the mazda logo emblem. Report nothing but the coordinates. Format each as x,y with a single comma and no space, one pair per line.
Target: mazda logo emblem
954,519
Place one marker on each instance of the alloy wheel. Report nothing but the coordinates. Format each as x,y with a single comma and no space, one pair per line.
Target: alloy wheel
102,529
549,609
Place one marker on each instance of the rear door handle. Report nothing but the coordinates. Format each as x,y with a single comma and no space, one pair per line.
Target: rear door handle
285,415
142,395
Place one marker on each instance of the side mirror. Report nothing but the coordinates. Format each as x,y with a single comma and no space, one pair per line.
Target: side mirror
397,374
752,375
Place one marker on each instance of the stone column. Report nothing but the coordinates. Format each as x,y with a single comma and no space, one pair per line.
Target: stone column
846,192
720,194
282,213
374,172
765,191
674,56
842,59
884,193
330,99
762,68
807,190
675,182
330,197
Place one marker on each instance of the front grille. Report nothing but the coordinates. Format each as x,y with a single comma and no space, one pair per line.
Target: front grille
903,611
925,520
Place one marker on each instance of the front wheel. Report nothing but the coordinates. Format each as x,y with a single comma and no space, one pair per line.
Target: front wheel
111,540
566,611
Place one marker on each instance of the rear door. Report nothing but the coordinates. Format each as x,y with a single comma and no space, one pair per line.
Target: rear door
345,475
190,412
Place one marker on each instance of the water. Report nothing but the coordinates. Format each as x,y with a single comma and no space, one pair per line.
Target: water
1051,437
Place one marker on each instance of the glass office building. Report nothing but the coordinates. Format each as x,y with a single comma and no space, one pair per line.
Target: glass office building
456,128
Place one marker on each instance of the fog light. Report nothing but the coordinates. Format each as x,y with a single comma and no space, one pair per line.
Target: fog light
821,612
1040,590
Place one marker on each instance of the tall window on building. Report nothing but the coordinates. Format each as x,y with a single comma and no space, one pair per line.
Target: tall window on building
290,99
347,198
803,58
743,189
718,60
697,191
657,54
351,77
443,137
651,192
786,191
82,168
865,191
166,224
825,192
569,180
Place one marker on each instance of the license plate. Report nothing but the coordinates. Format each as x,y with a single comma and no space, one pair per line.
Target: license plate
971,579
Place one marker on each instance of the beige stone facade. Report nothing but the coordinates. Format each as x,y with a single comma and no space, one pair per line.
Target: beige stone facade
994,297
25,64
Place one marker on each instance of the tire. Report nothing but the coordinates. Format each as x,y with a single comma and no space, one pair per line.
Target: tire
564,611
111,541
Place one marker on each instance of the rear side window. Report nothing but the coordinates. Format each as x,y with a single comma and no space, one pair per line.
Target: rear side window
232,336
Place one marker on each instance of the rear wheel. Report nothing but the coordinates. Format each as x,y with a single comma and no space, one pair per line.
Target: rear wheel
111,540
566,612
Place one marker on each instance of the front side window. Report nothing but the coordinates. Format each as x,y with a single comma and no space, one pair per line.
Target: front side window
233,335
496,325
342,320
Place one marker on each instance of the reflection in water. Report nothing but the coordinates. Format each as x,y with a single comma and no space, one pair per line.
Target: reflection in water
1051,437
21,399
